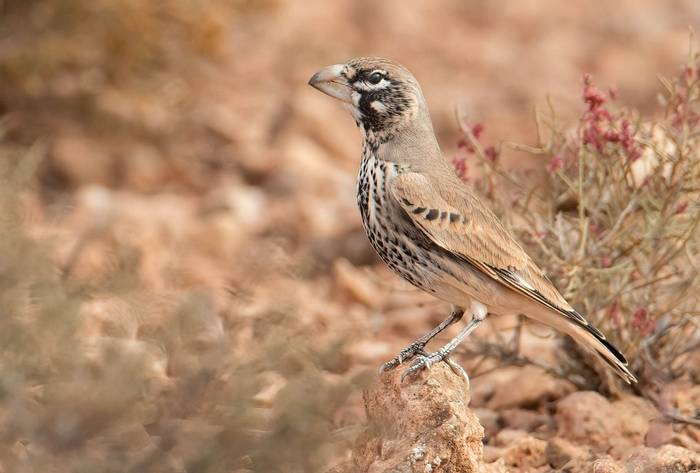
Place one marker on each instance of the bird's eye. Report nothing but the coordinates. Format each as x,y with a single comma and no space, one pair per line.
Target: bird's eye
375,78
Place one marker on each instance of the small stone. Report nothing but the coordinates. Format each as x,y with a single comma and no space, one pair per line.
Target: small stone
266,396
508,437
587,417
526,453
523,419
357,283
489,419
667,459
433,383
498,466
534,387
559,452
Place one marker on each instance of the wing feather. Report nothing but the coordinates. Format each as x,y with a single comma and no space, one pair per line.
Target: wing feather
469,230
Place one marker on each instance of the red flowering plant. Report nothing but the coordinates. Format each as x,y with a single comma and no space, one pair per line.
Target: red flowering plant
614,220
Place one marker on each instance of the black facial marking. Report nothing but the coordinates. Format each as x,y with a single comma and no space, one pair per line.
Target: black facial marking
392,97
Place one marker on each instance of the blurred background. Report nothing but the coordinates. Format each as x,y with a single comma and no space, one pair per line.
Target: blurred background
184,281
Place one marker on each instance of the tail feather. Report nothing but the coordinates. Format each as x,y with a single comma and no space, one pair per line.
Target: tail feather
590,338
611,355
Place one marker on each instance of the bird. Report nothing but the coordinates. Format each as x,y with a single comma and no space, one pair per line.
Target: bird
433,229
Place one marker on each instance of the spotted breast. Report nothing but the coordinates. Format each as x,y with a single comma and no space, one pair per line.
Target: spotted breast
395,239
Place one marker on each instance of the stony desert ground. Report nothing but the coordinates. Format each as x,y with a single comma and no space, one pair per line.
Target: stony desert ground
185,284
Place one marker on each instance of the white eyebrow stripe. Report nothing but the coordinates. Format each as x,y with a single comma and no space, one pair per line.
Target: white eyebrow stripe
364,85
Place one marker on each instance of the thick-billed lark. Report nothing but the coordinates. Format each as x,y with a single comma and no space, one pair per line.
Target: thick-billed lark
430,227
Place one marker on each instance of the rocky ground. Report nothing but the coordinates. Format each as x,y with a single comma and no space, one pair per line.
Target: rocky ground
428,426
193,290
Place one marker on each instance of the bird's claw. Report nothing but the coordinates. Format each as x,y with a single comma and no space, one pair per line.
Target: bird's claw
426,361
415,348
423,361
458,370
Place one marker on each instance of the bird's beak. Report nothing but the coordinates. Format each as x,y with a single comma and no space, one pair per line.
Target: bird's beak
330,81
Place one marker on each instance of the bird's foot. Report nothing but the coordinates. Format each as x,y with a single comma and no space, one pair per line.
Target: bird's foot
427,360
424,361
415,348
458,370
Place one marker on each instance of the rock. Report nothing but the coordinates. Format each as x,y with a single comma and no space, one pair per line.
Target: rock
605,465
508,437
525,454
499,466
660,433
587,417
599,465
518,449
668,459
493,454
490,420
534,387
421,425
357,283
523,419
559,452
273,383
81,160
145,168
369,351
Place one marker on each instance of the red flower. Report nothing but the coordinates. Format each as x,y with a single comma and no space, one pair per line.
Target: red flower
491,153
612,136
642,322
465,144
614,313
556,164
592,95
601,128
681,207
540,234
690,73
461,168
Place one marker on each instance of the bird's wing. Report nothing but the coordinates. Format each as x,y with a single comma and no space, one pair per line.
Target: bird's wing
469,230
454,219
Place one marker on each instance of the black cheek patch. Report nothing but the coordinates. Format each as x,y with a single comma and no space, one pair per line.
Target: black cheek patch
370,118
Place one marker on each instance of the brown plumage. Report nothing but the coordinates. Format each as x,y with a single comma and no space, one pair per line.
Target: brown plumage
430,227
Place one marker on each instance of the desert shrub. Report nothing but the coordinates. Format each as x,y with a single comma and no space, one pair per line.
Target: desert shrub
105,374
613,217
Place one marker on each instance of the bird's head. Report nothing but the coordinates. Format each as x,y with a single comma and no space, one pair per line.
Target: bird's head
382,95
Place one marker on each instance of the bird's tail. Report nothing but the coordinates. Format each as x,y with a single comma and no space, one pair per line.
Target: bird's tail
590,338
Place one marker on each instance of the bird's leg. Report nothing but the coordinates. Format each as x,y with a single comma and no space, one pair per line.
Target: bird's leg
416,347
425,361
